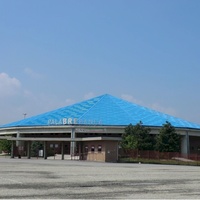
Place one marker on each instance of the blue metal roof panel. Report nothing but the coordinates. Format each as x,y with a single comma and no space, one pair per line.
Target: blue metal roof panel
104,110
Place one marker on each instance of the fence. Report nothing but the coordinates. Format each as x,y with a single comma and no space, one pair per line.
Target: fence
156,155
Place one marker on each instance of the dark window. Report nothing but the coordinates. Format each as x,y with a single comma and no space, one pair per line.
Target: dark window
99,148
92,148
86,148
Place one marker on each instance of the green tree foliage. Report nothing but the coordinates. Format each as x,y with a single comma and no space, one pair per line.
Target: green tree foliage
137,137
168,140
5,145
35,147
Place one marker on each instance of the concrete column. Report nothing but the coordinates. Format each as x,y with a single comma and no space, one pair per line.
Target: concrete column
17,142
117,150
12,149
73,144
28,149
79,147
62,150
20,145
45,150
185,145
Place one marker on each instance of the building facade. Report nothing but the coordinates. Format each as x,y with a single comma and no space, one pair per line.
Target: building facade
92,129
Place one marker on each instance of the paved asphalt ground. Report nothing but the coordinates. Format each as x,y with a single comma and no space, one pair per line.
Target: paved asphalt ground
66,179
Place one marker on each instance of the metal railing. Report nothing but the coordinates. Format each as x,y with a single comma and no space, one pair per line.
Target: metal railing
156,155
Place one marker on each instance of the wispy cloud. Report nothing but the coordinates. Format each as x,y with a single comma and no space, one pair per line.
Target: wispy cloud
32,73
130,98
154,106
8,85
167,110
89,95
69,101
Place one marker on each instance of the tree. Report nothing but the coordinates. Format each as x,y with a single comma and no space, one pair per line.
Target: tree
137,137
35,147
168,140
5,145
129,141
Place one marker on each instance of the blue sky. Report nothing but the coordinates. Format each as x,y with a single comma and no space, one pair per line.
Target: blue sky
56,53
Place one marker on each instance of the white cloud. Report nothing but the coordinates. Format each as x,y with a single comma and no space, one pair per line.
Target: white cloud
130,98
154,106
28,93
69,101
166,110
8,85
32,73
89,95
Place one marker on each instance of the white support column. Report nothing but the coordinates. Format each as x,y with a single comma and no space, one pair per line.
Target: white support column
185,144
17,142
72,144
20,145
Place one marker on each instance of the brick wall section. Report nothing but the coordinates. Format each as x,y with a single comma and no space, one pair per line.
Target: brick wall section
111,151
194,145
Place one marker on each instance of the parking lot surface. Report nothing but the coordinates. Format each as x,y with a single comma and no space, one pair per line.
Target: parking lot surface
66,179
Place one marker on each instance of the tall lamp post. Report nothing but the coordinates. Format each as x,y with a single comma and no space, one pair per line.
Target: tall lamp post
24,115
20,144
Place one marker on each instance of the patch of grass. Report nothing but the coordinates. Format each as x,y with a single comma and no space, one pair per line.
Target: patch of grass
161,161
4,155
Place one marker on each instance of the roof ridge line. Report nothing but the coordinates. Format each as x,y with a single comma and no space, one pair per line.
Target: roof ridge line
122,108
101,97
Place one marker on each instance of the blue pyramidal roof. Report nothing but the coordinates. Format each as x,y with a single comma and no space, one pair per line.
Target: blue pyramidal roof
103,110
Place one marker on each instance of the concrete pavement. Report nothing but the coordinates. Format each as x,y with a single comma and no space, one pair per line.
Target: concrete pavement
66,179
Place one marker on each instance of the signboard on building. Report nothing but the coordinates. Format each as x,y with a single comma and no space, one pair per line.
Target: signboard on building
68,121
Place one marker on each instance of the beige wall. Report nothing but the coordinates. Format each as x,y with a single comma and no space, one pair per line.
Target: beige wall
109,151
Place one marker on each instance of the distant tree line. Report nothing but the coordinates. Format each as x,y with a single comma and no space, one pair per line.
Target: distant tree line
5,145
139,137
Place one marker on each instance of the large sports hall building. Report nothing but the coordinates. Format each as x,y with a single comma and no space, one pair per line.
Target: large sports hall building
92,129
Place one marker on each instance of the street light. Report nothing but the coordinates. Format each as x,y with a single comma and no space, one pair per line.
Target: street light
24,115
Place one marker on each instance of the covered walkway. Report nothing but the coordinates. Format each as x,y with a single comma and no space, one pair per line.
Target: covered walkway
83,147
